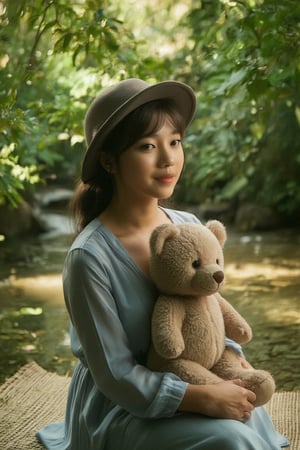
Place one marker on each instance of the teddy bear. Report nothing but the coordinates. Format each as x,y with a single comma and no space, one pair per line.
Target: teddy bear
190,318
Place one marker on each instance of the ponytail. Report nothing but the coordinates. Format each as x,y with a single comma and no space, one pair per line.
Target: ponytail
89,200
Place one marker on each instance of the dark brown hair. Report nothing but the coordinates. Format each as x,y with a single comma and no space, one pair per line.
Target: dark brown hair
91,198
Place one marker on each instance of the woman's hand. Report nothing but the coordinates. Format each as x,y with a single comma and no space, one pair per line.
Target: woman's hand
224,400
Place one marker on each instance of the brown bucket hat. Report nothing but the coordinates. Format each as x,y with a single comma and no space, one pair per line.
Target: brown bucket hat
117,101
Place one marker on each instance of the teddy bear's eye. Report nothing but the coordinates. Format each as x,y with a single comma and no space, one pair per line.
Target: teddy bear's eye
196,263
217,261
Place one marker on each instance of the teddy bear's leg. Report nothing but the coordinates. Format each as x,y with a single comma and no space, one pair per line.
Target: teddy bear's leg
260,382
192,372
187,370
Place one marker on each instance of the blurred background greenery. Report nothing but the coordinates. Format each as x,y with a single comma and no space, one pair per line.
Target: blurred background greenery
243,148
240,57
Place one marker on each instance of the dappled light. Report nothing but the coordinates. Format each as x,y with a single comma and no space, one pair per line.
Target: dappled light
34,324
265,270
241,153
263,286
46,288
263,283
245,75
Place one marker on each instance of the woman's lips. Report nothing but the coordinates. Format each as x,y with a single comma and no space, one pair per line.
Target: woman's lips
166,179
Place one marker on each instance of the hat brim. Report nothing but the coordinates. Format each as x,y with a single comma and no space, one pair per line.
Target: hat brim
180,93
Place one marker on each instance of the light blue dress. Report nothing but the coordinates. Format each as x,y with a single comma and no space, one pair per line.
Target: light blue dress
114,401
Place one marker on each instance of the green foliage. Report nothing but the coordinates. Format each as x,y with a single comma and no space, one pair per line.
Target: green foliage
241,57
246,139
52,57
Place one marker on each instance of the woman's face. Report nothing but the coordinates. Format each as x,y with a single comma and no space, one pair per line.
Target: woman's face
151,167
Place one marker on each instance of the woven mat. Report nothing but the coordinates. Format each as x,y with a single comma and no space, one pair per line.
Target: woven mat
29,400
284,408
34,397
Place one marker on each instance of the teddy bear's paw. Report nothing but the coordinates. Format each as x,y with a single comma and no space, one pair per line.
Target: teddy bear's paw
239,332
245,334
262,384
170,350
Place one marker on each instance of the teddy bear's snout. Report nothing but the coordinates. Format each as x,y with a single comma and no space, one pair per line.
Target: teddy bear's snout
218,276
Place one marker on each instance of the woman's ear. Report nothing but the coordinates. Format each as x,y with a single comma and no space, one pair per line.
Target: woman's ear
107,163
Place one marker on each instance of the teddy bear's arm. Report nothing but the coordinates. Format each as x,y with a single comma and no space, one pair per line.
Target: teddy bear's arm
167,319
236,327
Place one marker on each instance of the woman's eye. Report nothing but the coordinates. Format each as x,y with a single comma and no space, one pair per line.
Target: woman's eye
146,146
176,142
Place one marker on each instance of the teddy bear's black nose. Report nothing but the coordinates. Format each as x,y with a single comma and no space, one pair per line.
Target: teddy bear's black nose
218,276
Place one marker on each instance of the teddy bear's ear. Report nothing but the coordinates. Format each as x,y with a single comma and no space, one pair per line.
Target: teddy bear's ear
160,235
218,229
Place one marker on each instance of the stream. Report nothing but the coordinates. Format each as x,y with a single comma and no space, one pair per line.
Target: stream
262,282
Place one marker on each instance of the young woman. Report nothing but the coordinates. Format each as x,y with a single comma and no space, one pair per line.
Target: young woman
134,158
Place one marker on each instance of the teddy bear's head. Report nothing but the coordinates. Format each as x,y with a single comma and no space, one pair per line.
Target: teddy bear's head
187,259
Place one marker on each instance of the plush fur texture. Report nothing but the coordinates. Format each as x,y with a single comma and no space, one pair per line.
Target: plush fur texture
190,318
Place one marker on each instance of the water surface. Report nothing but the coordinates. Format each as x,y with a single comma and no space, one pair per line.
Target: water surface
262,282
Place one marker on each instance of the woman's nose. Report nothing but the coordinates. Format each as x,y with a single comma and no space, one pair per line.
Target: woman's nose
166,157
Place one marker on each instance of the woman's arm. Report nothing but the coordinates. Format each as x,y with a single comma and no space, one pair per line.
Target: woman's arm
111,362
105,345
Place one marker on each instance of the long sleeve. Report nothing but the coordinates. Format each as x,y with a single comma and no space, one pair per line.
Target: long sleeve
97,318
